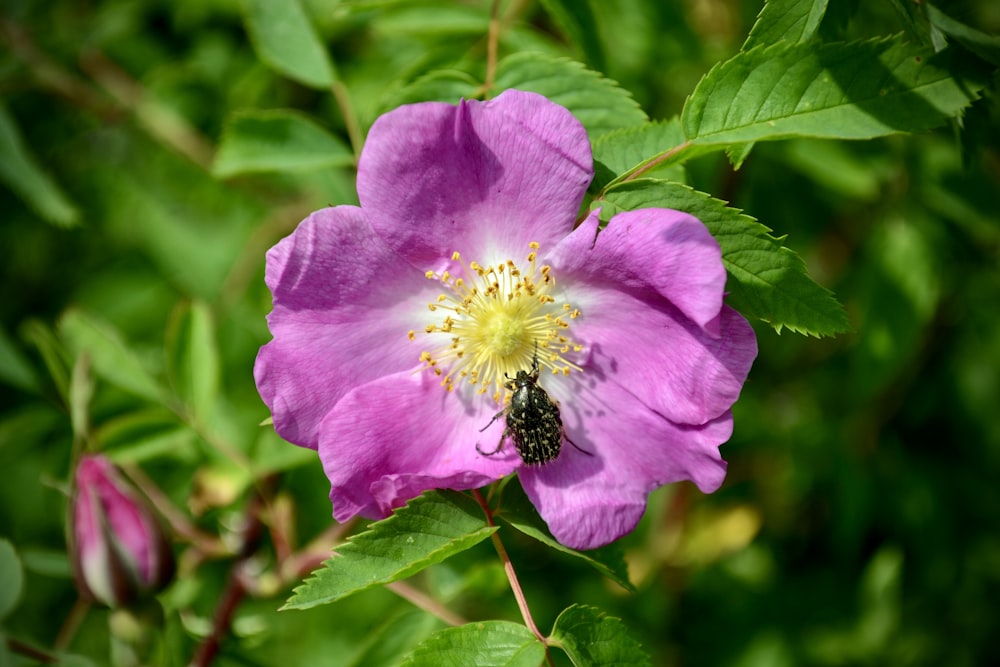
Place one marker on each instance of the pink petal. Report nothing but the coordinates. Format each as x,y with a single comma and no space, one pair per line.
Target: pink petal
343,304
391,439
106,497
667,363
91,557
654,254
482,178
119,550
638,339
591,500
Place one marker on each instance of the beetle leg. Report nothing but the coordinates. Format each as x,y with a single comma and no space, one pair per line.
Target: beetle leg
575,446
503,437
495,417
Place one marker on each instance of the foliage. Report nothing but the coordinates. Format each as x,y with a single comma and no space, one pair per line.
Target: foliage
150,154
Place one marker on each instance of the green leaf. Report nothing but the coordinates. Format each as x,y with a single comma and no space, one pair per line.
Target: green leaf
737,153
272,454
983,45
277,140
111,358
179,443
20,172
485,644
599,103
6,656
11,578
395,638
591,638
577,21
786,21
624,151
438,86
15,369
193,356
284,38
426,531
151,432
54,354
914,22
52,563
360,6
835,166
855,90
517,510
193,228
433,20
767,280
81,391
901,267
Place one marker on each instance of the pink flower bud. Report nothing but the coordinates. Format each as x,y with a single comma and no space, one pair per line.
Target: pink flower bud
117,544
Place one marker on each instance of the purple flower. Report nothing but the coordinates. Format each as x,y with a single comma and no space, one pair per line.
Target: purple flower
117,545
396,324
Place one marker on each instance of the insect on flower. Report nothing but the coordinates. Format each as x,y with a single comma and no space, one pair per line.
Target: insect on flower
532,419
471,248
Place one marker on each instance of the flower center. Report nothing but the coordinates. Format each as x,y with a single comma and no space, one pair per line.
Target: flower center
493,320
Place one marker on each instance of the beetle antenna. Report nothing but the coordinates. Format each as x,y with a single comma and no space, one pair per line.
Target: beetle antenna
575,446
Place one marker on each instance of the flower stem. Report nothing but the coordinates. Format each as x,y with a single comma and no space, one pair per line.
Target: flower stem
163,123
508,568
637,172
179,523
36,654
343,100
492,39
237,587
660,159
232,596
72,624
423,601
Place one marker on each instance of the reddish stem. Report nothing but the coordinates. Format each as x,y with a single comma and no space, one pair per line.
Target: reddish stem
236,587
508,568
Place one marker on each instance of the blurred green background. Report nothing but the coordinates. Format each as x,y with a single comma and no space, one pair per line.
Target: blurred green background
859,524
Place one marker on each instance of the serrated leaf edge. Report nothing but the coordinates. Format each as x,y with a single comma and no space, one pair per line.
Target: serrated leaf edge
763,231
429,558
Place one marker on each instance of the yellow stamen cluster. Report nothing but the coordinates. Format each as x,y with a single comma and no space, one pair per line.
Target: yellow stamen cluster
492,319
